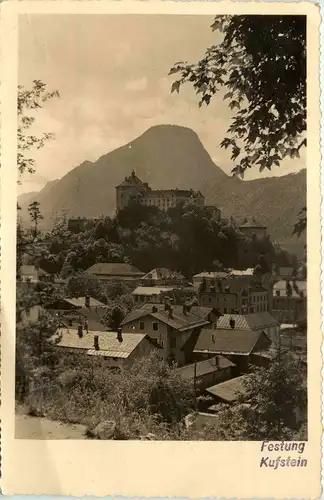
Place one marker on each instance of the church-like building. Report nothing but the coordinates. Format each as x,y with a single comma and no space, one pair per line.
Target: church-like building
132,188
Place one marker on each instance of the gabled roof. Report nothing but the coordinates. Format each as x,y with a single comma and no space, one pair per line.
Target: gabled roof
253,321
131,180
114,269
80,302
211,274
162,273
236,342
151,290
280,288
201,368
253,223
109,345
179,320
229,390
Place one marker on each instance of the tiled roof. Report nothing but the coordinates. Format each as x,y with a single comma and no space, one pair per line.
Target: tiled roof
281,288
228,391
80,302
253,321
114,269
162,273
204,367
108,341
245,272
131,180
212,274
151,290
179,320
227,341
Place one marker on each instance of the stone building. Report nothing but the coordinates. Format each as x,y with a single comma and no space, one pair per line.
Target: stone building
132,188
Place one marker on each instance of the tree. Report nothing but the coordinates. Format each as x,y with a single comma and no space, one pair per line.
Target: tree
267,406
261,62
29,101
35,216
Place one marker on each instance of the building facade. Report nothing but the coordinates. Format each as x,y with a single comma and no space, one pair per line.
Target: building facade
132,188
233,296
290,301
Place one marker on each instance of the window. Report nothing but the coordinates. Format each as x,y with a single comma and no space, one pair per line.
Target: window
232,310
142,325
155,326
225,310
278,293
209,299
173,342
161,343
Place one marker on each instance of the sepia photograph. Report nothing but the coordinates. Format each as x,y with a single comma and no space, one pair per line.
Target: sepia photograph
163,285
161,249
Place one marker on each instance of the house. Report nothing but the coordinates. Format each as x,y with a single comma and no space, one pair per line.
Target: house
152,294
234,295
118,349
208,276
119,271
289,303
162,277
242,272
262,322
32,274
171,327
236,344
230,390
253,229
207,372
71,312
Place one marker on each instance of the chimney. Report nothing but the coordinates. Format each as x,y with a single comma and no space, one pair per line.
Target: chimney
119,335
170,312
80,332
87,300
185,310
154,309
216,361
96,342
232,323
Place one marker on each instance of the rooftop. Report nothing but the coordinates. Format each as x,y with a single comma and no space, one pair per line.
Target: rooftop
109,345
211,274
253,321
27,269
236,342
80,302
204,367
229,391
297,288
131,180
252,223
179,320
151,290
114,269
162,273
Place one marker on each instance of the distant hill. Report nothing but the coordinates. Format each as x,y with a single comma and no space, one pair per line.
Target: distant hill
169,156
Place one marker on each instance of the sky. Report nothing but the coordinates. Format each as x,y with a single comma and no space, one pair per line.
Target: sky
112,75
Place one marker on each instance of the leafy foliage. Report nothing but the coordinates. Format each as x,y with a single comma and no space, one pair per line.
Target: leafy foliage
261,62
267,408
29,101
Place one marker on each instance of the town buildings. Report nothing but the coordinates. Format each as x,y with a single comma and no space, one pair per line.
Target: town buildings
151,294
233,295
118,271
290,301
174,328
163,277
132,188
207,372
116,348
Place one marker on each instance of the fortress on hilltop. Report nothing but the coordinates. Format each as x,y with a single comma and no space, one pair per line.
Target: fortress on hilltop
132,188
